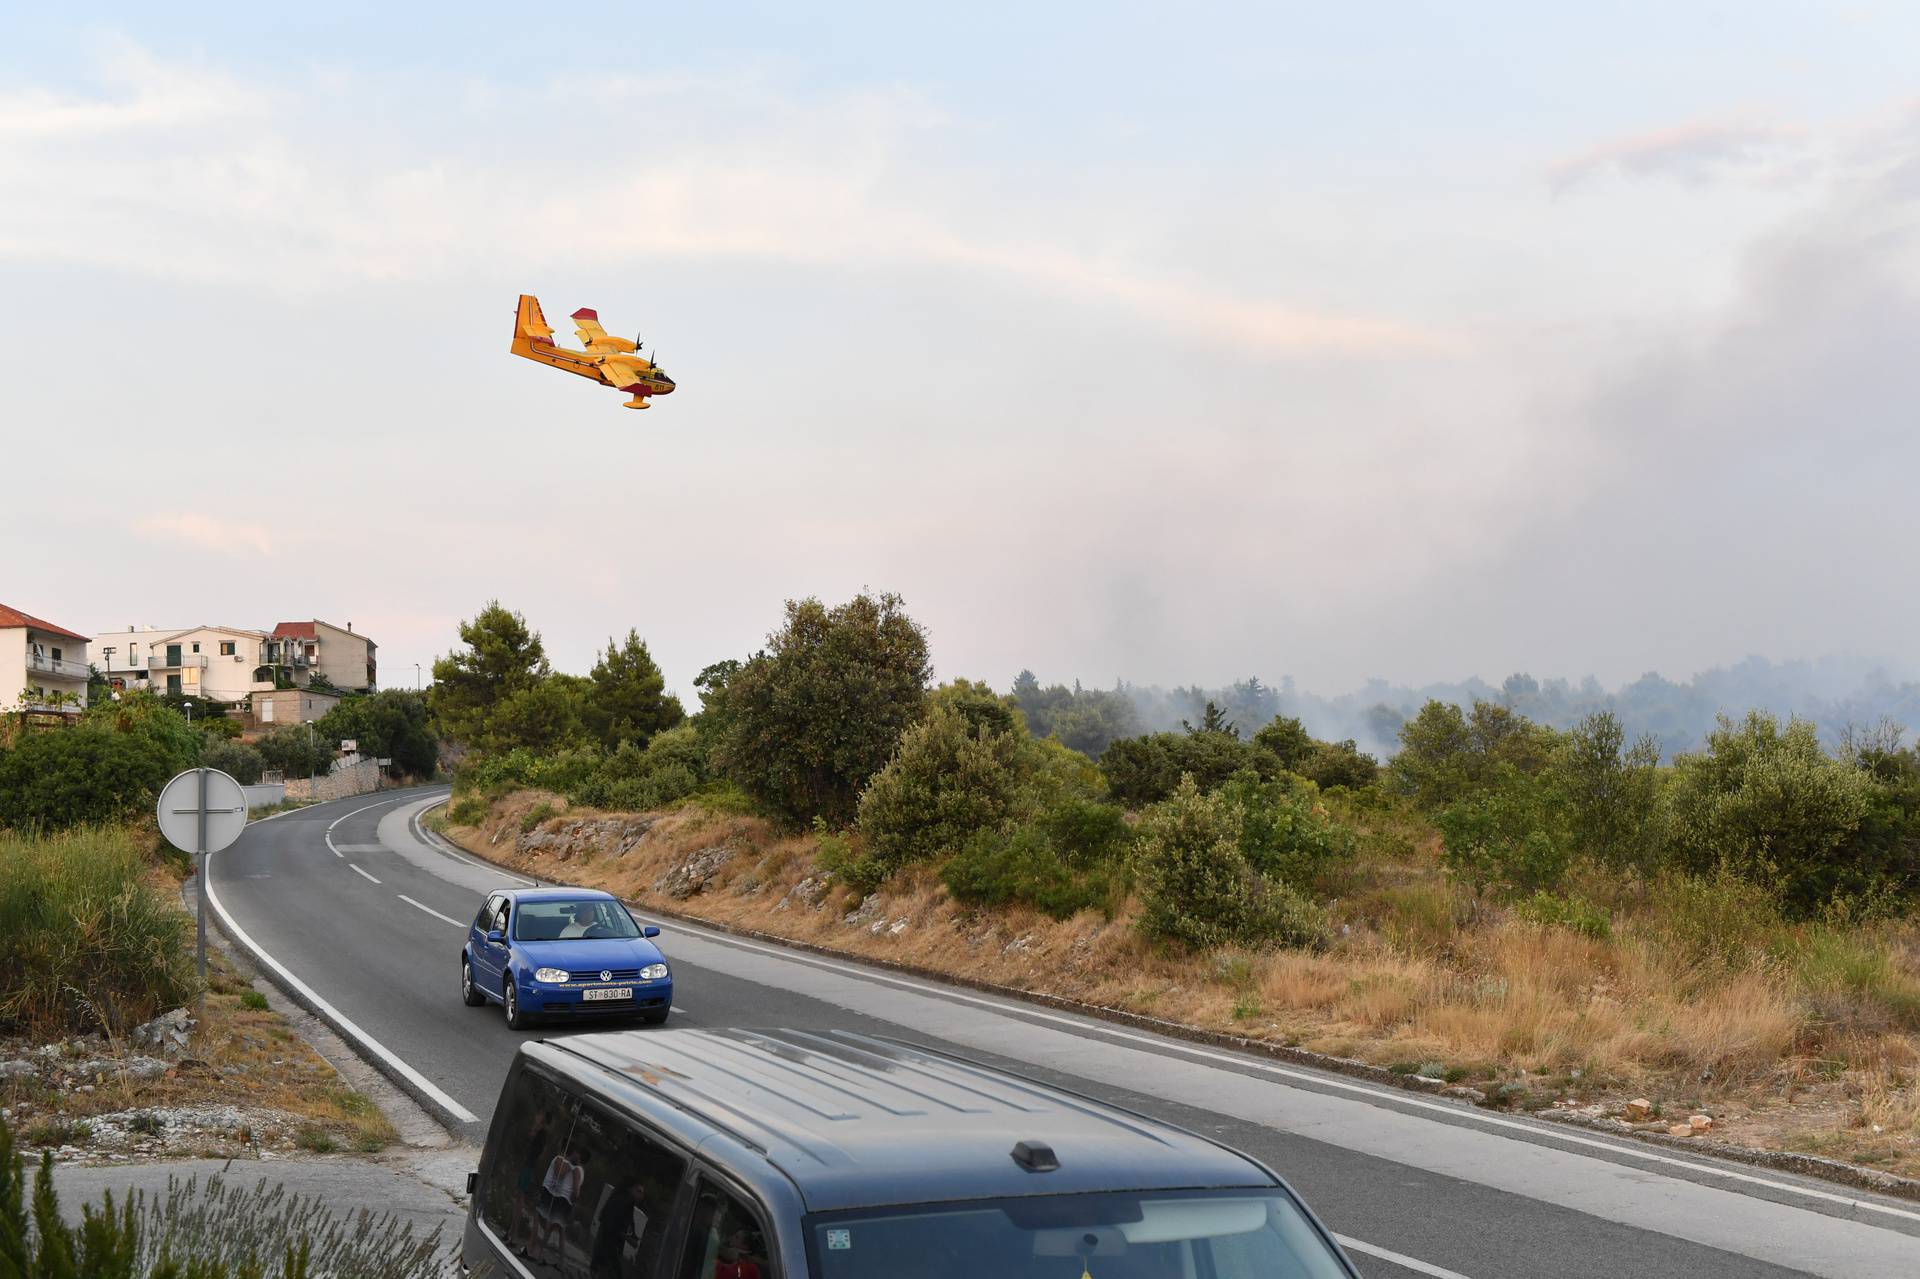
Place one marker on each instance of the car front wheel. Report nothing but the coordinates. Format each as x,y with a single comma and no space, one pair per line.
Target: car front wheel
469,993
510,996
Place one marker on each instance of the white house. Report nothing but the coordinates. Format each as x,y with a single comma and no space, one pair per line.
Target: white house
43,667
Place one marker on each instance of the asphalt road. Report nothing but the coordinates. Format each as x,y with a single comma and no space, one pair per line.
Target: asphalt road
355,904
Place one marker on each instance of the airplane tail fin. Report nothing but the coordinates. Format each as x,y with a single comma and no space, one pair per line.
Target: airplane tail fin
529,325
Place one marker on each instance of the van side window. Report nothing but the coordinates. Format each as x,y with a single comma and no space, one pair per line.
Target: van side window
723,1240
534,1120
629,1197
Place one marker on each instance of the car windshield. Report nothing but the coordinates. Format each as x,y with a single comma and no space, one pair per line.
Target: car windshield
588,920
1150,1235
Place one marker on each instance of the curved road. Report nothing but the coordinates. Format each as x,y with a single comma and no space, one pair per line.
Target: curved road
364,912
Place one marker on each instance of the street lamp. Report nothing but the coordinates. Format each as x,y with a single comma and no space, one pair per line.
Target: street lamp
189,706
416,677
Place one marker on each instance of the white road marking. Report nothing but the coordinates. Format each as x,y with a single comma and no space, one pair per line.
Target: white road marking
1397,1258
327,834
1394,1096
363,874
430,910
459,1112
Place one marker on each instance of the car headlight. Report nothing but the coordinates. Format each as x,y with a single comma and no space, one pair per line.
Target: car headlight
653,972
551,975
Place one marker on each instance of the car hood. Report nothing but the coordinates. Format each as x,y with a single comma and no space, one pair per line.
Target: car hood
585,955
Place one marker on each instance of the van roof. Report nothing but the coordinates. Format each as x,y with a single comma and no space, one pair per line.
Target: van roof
855,1121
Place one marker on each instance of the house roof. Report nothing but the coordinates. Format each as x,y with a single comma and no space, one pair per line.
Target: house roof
13,617
293,630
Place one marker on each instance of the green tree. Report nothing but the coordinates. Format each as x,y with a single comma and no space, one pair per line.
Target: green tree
1093,720
1197,887
390,724
980,706
87,774
812,718
1445,754
236,759
1612,792
1213,719
503,658
950,778
1286,739
1511,832
1146,770
628,701
296,750
1773,806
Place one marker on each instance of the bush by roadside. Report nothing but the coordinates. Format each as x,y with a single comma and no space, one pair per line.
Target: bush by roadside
199,1230
88,939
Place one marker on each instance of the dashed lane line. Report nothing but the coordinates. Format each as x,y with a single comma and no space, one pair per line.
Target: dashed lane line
340,1021
430,910
1397,1258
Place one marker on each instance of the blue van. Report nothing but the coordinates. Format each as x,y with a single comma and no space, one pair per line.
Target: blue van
735,1154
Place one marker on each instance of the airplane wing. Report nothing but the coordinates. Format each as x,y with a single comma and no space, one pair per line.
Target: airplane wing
624,371
586,326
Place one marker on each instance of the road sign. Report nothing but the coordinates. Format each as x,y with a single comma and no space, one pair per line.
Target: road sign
202,811
196,791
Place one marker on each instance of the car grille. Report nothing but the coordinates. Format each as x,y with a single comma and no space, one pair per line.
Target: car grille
619,974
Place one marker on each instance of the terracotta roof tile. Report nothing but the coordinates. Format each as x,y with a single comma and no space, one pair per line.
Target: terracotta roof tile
12,617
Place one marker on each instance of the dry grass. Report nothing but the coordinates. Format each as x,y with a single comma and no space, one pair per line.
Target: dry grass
244,1056
1794,1036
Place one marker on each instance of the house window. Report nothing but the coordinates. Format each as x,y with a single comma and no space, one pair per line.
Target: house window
196,646
56,654
226,648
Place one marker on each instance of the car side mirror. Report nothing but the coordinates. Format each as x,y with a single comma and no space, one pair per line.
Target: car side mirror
649,931
496,938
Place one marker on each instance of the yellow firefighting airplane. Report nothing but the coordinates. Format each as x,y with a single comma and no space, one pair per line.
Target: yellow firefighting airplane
612,360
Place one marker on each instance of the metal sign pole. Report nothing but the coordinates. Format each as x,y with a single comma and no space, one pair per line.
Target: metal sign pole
200,893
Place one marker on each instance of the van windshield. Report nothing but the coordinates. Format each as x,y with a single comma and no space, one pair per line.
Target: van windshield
1149,1235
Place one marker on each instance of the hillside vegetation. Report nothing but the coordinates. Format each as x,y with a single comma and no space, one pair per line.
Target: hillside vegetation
1554,917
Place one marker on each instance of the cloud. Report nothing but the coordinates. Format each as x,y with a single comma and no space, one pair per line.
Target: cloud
148,96
195,531
1694,152
180,172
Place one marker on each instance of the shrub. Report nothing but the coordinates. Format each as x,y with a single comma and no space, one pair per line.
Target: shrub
297,750
236,759
390,724
1512,835
1446,754
86,940
1198,888
1773,806
809,721
1146,770
1566,910
200,1230
55,779
1339,764
996,868
1085,832
1719,919
1281,833
948,780
1612,792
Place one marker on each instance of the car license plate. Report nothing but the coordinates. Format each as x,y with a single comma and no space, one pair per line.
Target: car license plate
608,992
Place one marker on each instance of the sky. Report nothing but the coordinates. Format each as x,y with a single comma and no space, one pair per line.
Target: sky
1166,343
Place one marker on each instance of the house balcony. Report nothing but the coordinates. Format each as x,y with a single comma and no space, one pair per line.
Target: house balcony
160,663
286,657
60,667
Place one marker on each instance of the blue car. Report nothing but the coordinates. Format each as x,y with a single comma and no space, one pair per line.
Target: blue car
563,952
